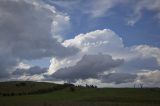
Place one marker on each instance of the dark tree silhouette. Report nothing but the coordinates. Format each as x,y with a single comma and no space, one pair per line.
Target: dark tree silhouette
141,85
72,89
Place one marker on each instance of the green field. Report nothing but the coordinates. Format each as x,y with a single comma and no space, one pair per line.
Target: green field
20,94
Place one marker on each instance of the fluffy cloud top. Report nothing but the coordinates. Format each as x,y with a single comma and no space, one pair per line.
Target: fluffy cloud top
99,41
96,38
89,63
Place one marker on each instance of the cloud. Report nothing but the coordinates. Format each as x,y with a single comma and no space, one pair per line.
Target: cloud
99,41
4,74
135,59
6,64
139,6
95,38
146,51
150,78
32,30
26,33
90,66
103,8
93,8
118,78
30,71
23,25
140,63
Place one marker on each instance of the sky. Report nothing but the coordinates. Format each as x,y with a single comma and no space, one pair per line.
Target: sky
108,43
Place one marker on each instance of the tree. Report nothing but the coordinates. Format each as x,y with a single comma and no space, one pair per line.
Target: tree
141,85
72,89
134,85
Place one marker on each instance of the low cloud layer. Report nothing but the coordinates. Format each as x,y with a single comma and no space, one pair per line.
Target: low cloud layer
150,78
30,71
90,66
118,78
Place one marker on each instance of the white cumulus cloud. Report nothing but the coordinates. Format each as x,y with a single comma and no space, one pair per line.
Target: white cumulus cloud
136,59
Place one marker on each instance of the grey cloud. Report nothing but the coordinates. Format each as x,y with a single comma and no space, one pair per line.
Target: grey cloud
6,64
140,63
25,34
90,66
31,71
119,78
26,31
150,79
134,65
4,74
137,59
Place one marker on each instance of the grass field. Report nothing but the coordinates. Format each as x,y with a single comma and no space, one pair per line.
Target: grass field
79,97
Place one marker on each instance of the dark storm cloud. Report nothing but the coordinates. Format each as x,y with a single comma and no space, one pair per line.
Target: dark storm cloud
31,71
25,34
4,74
119,78
90,66
26,31
6,64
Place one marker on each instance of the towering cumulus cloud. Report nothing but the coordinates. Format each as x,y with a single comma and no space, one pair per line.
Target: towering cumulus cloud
103,57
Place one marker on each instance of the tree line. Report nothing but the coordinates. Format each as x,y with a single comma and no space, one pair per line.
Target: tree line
38,91
45,90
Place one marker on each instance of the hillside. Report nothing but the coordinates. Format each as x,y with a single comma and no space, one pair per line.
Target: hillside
80,96
14,88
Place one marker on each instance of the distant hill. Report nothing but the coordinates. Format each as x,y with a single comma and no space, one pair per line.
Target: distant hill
13,88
